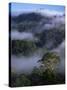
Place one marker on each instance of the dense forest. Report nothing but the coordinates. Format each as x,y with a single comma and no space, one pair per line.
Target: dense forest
34,33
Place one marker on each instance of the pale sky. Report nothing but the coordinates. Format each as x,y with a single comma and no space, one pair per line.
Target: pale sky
26,7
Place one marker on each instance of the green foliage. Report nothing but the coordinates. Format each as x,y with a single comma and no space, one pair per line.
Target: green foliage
51,38
20,47
23,81
46,77
48,39
37,77
26,22
37,71
50,60
26,26
19,80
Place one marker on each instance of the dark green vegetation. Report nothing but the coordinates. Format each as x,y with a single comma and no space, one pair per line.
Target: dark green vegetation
37,78
19,80
27,17
50,60
48,39
26,26
24,22
21,47
44,75
35,23
27,22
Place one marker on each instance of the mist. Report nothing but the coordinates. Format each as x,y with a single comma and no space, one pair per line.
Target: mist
61,52
16,35
55,22
24,64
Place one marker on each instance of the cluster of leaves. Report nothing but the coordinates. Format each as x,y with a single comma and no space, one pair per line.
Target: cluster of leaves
44,75
23,47
50,60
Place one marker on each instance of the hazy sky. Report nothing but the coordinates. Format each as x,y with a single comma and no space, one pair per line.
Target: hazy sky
22,7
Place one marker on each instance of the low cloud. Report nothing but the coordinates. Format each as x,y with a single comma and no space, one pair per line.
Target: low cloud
55,22
15,35
50,12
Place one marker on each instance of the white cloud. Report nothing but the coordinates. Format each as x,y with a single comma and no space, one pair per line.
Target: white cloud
42,11
15,35
49,12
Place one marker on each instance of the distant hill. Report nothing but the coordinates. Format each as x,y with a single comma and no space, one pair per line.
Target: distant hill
50,31
51,38
27,17
30,21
